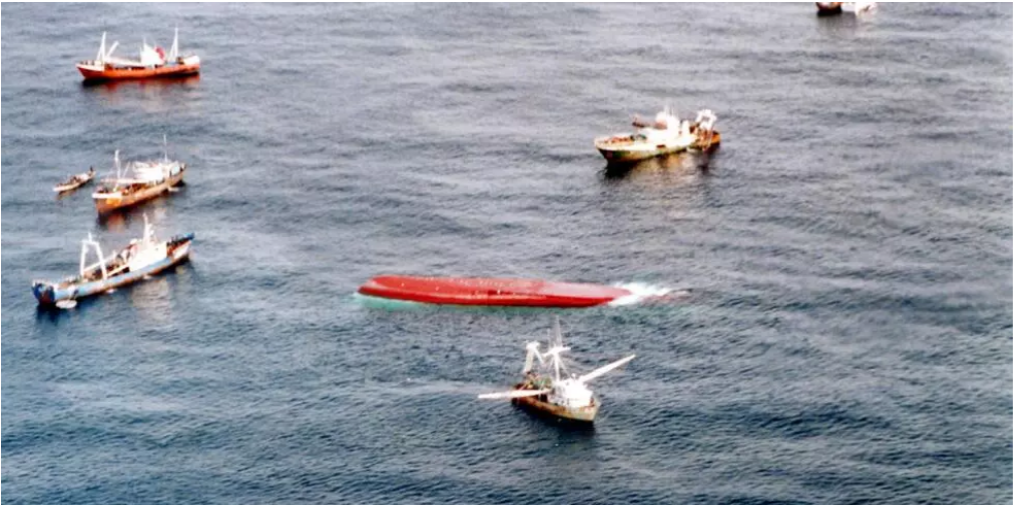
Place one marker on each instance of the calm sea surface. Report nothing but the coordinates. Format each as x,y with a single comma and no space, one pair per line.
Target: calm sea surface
847,336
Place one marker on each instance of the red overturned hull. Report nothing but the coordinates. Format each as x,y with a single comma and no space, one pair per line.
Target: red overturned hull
490,291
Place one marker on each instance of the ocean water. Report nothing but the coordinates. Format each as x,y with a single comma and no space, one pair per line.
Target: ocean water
844,335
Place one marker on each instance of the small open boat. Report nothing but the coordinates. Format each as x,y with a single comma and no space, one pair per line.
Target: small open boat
490,291
75,181
152,62
667,134
137,182
135,262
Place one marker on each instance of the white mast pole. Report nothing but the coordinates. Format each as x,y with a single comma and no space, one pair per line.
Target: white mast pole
119,172
175,49
149,235
112,48
101,57
102,260
84,253
529,361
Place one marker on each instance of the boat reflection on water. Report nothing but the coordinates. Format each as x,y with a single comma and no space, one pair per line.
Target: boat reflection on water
153,299
152,95
152,84
55,315
120,219
567,430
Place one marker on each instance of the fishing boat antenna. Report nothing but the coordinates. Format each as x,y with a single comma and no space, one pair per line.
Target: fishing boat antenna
165,147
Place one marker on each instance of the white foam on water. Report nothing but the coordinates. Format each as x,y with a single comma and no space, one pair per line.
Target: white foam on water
66,304
639,292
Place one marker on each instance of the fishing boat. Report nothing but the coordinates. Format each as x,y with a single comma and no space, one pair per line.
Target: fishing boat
75,181
490,291
152,62
835,8
140,259
550,390
136,182
667,134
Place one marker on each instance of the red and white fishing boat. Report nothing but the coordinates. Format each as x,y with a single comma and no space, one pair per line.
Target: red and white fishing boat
152,62
491,291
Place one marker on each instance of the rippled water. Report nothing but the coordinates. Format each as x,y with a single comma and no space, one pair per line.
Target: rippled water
846,337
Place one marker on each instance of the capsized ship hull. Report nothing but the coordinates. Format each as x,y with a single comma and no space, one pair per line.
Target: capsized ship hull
490,291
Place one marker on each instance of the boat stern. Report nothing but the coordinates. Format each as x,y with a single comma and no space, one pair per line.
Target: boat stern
708,142
108,201
44,292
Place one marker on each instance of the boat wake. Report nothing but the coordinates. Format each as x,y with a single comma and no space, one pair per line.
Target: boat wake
641,292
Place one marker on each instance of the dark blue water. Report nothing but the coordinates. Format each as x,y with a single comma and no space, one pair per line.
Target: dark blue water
848,253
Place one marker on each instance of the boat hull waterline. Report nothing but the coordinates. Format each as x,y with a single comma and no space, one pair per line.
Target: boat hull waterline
49,294
503,292
622,154
95,73
580,414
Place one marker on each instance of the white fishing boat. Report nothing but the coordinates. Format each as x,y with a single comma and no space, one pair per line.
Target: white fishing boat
137,261
137,181
550,390
667,134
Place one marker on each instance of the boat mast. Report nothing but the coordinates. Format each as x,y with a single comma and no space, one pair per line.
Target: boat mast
165,147
533,352
101,57
556,366
175,49
98,251
119,170
557,349
149,233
